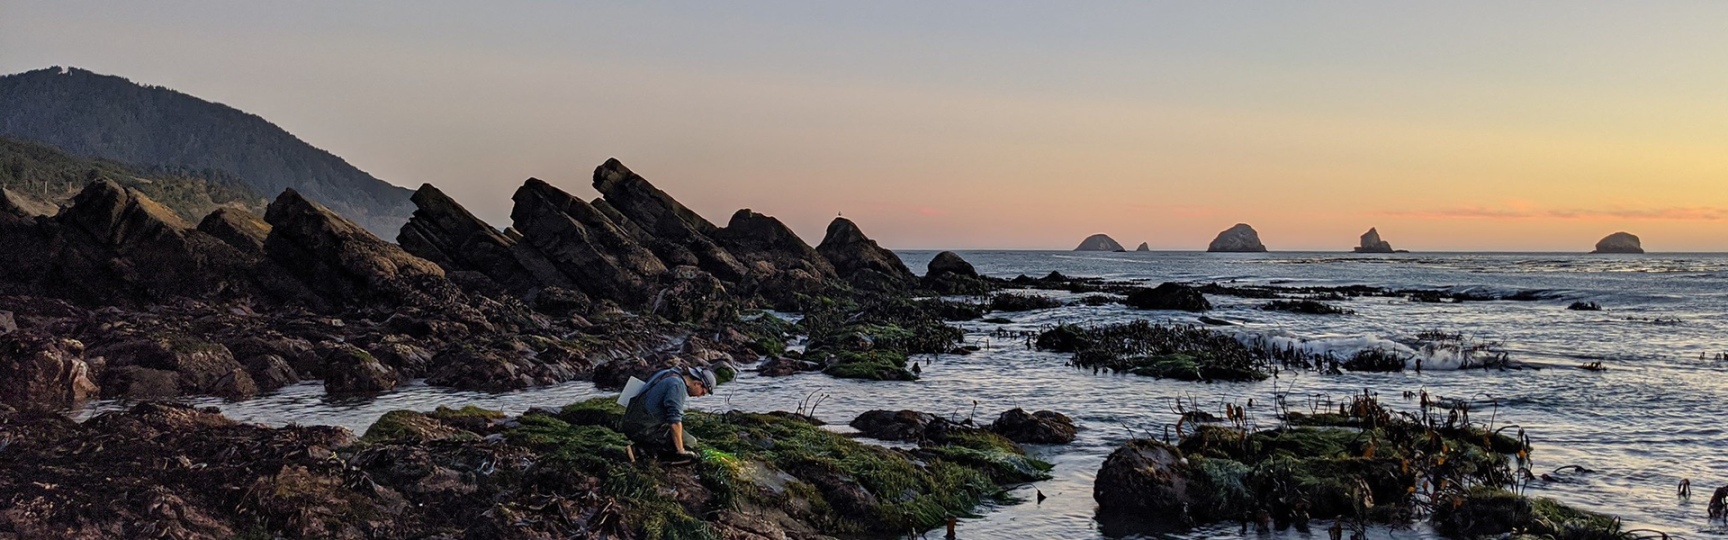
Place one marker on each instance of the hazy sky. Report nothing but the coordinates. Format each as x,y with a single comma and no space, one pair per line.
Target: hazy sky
1451,126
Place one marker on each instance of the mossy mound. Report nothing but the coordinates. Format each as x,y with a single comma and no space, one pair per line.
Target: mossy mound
413,427
872,365
1166,351
1487,511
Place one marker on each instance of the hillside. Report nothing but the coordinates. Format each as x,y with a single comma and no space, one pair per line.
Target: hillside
45,174
110,117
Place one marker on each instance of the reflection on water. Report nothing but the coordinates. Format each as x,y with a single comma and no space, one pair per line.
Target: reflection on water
1643,425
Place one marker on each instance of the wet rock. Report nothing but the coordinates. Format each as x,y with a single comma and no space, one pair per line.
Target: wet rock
950,274
8,323
1099,242
1371,243
604,260
910,426
693,296
860,261
1042,427
1148,480
784,366
1172,296
237,228
1239,238
271,372
41,372
349,370
676,228
198,367
1620,242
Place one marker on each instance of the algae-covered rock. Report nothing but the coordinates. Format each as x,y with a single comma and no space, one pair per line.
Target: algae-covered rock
1042,427
1172,296
413,427
1173,352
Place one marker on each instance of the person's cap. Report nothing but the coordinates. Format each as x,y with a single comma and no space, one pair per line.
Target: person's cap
702,374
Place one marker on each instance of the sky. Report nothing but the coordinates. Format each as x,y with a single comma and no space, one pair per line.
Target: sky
1455,126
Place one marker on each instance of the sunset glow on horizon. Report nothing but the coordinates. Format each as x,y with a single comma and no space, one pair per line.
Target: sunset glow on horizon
1538,126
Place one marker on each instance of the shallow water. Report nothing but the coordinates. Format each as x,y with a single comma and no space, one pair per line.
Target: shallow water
1642,425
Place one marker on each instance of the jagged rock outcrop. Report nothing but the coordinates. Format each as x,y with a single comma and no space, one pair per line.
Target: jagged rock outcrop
347,266
680,234
1620,242
22,205
1099,242
1371,243
1240,238
950,274
860,261
782,265
1143,247
244,231
41,372
444,232
603,260
113,245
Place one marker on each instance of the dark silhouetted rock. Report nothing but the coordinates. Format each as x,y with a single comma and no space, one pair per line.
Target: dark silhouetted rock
445,233
1620,242
197,367
1238,239
236,227
1143,247
677,230
1168,296
781,264
1042,427
348,369
605,261
41,372
1099,242
1371,243
345,264
1148,480
912,426
860,261
950,274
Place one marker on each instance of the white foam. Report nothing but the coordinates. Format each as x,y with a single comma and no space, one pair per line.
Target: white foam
1449,355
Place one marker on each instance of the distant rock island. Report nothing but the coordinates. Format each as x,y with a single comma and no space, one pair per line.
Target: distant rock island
1620,242
1238,239
1099,242
1371,243
1143,247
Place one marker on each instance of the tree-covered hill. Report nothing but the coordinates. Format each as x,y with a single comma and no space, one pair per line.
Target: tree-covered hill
44,174
151,127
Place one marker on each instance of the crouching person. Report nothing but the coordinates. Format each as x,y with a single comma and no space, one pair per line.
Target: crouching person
654,419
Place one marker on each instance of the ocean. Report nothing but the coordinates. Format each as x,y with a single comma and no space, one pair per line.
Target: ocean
1641,425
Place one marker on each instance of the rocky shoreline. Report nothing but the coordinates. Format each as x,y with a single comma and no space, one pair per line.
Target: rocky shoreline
115,297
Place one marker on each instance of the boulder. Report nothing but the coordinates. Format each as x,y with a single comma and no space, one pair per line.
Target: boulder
348,369
271,372
781,366
782,265
197,367
1148,480
1168,296
1143,247
860,261
1371,243
950,274
1620,242
1042,427
677,229
604,261
911,426
1240,238
237,228
1099,242
42,372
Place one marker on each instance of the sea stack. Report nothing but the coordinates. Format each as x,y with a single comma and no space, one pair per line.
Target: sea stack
1371,243
1620,242
1238,239
1143,247
1099,242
